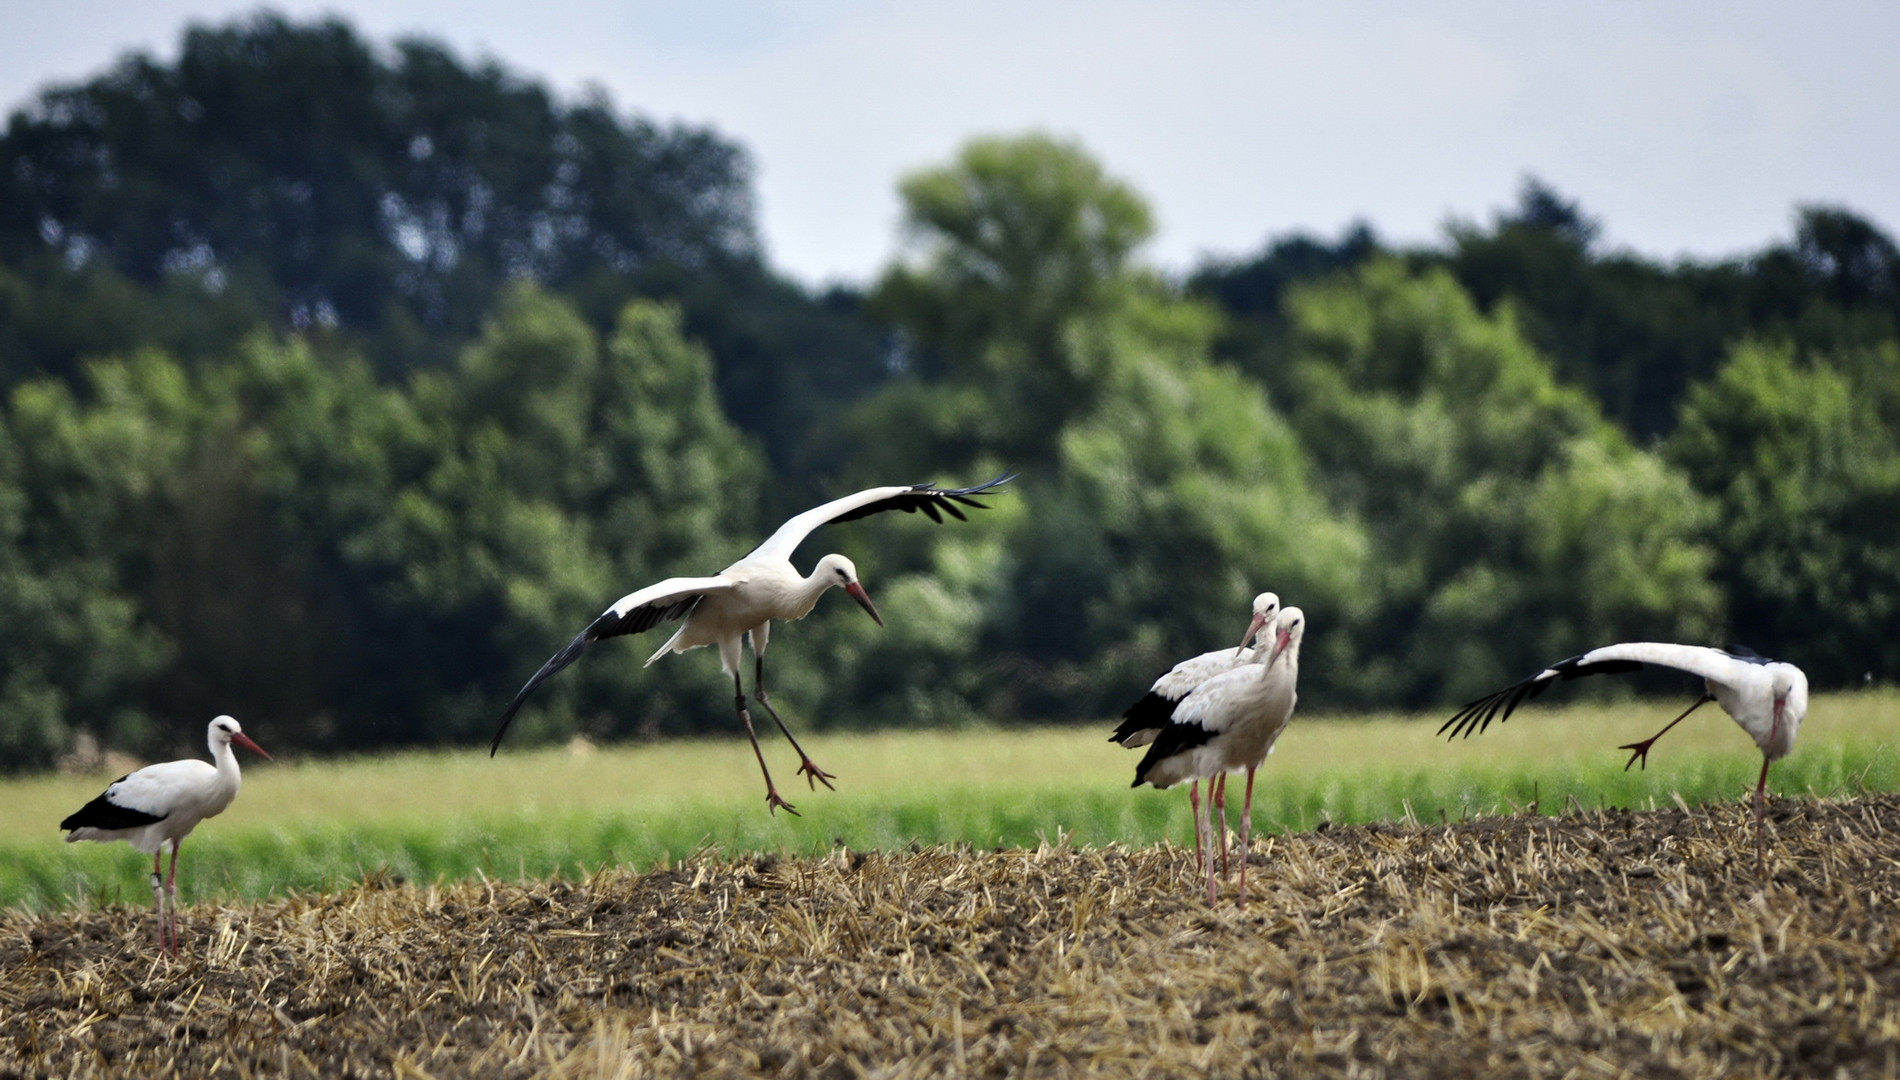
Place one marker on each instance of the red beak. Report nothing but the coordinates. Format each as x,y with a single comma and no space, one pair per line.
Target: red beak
245,741
1279,645
1252,629
864,601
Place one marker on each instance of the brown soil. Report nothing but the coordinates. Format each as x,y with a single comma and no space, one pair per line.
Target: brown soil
1601,943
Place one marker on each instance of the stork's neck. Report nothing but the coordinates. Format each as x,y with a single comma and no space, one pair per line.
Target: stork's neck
226,763
809,588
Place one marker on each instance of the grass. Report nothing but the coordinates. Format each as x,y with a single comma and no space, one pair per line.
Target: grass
321,825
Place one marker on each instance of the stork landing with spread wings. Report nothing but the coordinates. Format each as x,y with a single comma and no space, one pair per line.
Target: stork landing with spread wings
1768,698
742,600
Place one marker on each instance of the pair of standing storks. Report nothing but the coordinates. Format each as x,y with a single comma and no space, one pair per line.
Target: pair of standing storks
1217,713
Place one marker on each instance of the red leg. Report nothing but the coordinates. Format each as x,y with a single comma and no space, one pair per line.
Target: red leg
1246,835
772,799
1200,840
1639,751
158,895
1217,795
809,769
171,897
1207,830
1761,844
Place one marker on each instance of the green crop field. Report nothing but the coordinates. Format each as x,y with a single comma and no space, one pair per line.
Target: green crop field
320,825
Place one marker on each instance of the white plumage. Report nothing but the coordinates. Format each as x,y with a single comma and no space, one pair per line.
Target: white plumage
742,600
161,804
1143,720
1767,698
1231,722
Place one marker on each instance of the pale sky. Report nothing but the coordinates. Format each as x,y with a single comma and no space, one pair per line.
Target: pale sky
1686,127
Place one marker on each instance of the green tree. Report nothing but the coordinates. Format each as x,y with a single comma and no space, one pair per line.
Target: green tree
79,490
555,475
1161,491
296,178
360,192
1509,522
1009,249
1802,455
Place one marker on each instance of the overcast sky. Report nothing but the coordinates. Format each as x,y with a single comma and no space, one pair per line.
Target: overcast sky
1688,127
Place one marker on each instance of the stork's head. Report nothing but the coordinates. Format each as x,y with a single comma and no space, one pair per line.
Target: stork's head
1288,630
1266,607
225,731
842,572
1789,685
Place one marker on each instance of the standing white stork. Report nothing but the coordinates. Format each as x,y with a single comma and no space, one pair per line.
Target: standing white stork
1768,698
161,803
1143,720
745,597
1231,722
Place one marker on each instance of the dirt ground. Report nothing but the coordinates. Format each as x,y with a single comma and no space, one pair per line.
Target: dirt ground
1600,943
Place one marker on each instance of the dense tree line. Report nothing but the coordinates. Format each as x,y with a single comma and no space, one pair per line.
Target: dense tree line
343,382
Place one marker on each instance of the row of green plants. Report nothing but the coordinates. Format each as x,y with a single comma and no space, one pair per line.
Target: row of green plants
278,850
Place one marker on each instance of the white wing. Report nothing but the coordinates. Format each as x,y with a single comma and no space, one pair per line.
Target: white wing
1185,676
159,789
1712,664
637,611
1217,703
656,599
1726,669
929,498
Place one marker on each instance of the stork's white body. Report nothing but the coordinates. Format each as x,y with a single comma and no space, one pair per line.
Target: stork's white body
1145,718
179,793
161,804
1246,708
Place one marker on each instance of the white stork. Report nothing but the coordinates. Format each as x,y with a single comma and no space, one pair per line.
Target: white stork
1231,722
745,597
1143,720
1768,698
163,803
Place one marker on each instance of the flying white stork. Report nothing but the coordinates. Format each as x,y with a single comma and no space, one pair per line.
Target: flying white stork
161,803
1231,722
1143,720
745,597
1768,698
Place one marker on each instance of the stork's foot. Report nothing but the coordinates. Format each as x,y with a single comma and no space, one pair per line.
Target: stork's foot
773,803
814,775
1639,751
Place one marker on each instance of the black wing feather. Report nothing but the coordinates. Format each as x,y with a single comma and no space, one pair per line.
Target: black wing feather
931,499
1152,711
642,618
102,813
1174,739
1498,705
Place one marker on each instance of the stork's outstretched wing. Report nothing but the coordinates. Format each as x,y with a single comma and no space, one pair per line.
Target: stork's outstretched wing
660,602
1713,664
929,498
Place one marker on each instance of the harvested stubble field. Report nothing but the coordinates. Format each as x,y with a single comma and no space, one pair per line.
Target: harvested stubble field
1590,943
